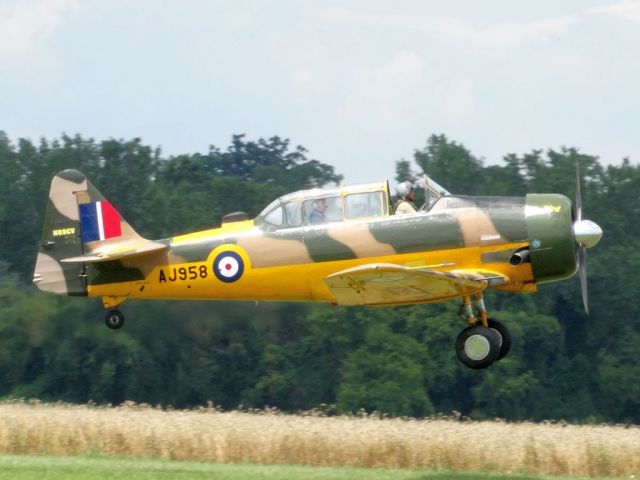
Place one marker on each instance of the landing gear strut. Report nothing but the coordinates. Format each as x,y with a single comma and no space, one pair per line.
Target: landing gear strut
486,340
114,318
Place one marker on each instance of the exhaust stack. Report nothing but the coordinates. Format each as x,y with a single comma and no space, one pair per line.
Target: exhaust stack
519,257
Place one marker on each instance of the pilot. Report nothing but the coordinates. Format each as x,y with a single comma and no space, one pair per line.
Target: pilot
406,195
318,214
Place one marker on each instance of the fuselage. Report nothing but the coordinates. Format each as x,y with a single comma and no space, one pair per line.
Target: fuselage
290,264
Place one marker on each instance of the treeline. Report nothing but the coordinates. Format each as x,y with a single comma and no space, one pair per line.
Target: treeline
563,365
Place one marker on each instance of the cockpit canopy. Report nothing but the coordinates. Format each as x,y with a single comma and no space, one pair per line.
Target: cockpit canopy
341,204
309,207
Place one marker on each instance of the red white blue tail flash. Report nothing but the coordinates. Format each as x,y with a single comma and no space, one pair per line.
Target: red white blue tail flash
99,221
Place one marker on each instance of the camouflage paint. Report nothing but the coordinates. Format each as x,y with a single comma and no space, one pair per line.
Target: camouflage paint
61,238
413,233
507,216
269,250
463,226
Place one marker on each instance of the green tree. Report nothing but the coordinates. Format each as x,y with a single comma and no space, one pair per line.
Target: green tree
404,172
385,375
451,164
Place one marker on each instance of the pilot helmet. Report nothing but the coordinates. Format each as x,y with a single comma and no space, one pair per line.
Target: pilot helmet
404,188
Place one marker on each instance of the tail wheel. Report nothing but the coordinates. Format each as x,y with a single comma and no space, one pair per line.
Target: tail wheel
478,346
114,319
504,336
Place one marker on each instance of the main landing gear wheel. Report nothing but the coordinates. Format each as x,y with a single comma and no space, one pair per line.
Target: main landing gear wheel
486,340
114,319
504,336
478,346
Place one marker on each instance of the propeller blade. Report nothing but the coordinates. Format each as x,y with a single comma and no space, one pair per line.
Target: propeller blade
582,271
578,194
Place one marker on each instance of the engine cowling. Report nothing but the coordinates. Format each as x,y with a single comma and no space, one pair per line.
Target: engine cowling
552,245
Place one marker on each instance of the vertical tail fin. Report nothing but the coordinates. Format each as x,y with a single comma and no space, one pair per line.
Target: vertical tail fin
61,238
79,220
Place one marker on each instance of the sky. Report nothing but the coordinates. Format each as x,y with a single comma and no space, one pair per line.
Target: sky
359,84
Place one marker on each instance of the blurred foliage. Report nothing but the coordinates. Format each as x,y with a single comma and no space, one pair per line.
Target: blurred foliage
400,361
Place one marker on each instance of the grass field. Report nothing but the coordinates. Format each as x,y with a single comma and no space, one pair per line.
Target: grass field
269,438
23,467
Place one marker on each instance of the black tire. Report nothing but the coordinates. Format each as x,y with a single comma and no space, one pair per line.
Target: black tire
477,346
114,319
504,336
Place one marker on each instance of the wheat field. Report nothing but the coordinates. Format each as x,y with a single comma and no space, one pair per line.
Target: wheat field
269,437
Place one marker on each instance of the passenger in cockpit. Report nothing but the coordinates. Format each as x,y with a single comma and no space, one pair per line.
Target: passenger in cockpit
318,214
406,196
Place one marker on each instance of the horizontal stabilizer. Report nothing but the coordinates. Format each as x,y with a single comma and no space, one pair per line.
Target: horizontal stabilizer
117,252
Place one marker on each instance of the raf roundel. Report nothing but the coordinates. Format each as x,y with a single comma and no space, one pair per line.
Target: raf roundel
228,267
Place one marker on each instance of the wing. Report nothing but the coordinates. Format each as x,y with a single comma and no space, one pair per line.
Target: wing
389,284
116,252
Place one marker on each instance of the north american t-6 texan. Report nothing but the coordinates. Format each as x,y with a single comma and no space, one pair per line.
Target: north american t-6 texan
454,247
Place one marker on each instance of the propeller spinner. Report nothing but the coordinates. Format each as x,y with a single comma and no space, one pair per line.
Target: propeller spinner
587,234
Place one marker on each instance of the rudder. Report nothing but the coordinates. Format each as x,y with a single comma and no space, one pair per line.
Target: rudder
61,238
